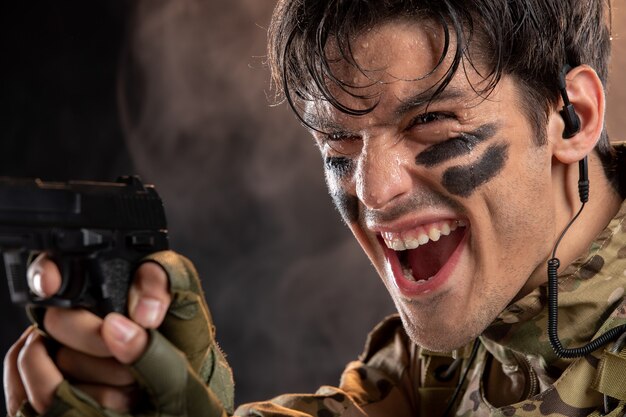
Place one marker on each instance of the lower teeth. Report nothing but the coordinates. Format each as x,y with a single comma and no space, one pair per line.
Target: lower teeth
408,274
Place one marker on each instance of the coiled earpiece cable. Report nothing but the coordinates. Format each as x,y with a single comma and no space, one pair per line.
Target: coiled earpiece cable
553,266
553,284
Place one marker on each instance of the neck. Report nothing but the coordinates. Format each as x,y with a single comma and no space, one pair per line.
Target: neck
603,204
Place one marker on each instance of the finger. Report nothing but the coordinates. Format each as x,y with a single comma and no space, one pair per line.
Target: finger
117,399
44,278
149,297
15,393
77,366
39,374
76,328
124,338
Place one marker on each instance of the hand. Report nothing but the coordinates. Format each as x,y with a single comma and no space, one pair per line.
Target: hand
94,353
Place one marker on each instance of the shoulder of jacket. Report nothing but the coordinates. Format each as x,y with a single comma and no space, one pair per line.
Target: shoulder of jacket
384,333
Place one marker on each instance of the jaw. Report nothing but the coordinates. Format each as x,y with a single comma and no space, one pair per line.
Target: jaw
440,313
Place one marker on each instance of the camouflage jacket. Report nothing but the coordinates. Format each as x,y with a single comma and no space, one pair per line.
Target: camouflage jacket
515,372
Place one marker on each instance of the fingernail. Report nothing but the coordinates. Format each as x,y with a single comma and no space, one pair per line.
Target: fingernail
148,311
122,330
35,284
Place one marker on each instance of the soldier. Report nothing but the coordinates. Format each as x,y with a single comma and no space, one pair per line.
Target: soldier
459,140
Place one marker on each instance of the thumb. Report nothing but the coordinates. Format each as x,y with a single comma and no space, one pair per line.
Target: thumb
126,340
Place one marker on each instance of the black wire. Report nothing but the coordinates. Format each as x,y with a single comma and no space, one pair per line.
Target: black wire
459,385
558,242
553,284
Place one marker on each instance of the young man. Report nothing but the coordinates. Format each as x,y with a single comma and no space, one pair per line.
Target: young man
457,141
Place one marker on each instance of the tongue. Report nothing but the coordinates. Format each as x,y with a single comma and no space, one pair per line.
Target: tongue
425,261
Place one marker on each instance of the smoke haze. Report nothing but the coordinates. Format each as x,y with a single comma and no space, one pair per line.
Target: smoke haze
177,92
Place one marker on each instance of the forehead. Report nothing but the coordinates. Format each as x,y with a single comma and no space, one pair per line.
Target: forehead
396,49
389,65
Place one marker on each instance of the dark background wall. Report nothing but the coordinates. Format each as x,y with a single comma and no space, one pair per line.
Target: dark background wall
177,92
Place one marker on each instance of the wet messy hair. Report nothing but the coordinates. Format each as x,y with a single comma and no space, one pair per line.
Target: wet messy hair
530,40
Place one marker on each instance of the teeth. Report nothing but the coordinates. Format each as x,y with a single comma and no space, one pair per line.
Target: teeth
434,234
408,274
398,245
411,243
422,236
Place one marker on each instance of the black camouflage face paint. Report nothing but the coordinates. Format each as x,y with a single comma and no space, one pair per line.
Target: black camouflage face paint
347,205
339,166
464,180
337,169
455,147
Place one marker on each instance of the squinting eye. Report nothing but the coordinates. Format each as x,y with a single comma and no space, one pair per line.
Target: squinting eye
343,145
426,118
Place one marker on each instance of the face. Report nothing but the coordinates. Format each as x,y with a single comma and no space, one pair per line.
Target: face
443,198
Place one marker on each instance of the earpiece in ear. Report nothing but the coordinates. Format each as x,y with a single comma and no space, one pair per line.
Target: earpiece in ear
568,113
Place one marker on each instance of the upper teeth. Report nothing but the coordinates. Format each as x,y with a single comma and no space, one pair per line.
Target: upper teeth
421,235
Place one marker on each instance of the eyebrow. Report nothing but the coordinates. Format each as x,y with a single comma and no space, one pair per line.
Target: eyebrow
425,98
408,105
319,124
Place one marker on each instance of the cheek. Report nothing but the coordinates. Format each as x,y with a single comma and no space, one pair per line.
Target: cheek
347,204
464,180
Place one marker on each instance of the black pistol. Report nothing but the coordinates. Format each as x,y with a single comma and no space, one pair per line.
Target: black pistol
96,232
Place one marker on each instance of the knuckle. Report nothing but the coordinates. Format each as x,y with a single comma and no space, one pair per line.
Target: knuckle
40,404
24,357
11,356
27,354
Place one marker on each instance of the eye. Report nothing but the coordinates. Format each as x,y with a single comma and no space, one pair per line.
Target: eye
431,127
342,144
428,118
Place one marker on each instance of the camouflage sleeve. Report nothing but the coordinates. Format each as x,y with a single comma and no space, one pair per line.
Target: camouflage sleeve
378,384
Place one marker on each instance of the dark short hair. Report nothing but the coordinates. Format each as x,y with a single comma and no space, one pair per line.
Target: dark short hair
530,40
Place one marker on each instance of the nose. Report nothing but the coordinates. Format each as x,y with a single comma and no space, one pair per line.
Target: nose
382,174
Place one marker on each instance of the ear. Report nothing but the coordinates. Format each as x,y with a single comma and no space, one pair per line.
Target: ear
586,94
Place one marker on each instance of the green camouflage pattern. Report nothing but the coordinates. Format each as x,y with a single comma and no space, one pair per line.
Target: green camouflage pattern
515,374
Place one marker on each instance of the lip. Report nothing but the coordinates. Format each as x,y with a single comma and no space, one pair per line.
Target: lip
410,289
410,224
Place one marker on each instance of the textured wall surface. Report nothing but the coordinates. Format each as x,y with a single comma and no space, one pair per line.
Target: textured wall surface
291,293
616,98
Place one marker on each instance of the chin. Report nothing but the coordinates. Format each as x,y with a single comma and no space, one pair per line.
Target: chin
444,331
439,340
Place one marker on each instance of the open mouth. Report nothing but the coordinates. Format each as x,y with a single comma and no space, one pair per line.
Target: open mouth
420,254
